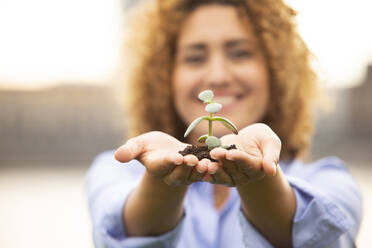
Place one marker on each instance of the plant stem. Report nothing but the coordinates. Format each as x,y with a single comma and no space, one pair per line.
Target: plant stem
210,125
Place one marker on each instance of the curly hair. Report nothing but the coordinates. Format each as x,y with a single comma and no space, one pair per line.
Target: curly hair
151,47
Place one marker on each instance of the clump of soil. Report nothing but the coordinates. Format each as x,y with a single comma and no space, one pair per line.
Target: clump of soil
201,151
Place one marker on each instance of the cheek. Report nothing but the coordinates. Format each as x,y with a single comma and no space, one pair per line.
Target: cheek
256,77
185,81
181,89
263,95
179,85
261,79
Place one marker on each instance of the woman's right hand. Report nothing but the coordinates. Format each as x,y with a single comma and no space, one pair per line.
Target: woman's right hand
158,152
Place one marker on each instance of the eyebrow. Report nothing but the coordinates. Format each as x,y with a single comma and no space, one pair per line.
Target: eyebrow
229,44
195,46
234,43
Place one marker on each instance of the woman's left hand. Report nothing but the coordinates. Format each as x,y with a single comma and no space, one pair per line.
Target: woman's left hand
256,156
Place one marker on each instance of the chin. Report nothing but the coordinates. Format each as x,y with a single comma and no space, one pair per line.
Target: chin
220,130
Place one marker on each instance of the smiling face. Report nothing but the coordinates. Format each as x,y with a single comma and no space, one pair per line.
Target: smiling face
218,50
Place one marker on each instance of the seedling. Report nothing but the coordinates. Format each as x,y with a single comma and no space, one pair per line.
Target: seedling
212,107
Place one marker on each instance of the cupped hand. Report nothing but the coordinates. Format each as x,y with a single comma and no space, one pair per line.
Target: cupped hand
256,156
158,152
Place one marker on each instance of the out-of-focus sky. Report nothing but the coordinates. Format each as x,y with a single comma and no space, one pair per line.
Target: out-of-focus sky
47,41
43,42
339,34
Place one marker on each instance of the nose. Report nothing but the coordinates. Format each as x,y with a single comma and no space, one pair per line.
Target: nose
217,73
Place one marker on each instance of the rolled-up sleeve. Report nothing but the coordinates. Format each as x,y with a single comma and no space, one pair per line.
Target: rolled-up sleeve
252,238
328,211
108,185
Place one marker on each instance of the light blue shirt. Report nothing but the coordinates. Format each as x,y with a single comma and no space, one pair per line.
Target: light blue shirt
328,210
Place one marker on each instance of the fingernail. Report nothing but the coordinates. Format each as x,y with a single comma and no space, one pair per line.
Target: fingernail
228,157
191,165
274,167
178,162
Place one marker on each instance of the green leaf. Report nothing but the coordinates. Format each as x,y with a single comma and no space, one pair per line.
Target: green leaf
206,95
227,123
213,108
203,138
213,141
194,123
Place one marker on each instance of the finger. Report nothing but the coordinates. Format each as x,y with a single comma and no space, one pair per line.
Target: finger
178,176
163,163
237,176
245,163
195,176
271,152
132,149
190,160
218,153
202,165
176,158
212,167
221,177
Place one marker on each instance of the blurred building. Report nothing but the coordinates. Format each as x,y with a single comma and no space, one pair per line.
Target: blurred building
361,108
61,125
346,131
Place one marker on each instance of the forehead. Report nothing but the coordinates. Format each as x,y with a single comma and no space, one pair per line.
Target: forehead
214,23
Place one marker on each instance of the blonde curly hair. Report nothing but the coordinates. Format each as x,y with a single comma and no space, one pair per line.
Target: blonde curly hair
151,48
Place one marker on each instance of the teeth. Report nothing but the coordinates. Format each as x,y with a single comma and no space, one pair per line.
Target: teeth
225,100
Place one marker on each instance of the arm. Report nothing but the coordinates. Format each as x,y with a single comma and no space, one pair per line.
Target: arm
267,199
270,206
165,212
329,204
156,205
312,206
110,185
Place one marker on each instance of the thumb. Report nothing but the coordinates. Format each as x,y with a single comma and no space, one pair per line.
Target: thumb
271,152
132,149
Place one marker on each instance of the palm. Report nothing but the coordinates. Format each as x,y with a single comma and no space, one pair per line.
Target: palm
256,155
157,151
245,142
251,139
159,147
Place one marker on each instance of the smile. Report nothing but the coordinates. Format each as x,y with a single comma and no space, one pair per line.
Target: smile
229,100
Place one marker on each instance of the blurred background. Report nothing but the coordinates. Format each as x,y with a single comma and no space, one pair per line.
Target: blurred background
59,61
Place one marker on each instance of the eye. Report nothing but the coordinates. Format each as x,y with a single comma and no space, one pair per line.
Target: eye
240,54
194,59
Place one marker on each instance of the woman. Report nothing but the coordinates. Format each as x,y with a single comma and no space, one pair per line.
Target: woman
250,55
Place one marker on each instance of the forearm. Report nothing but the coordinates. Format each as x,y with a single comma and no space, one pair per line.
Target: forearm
270,206
153,208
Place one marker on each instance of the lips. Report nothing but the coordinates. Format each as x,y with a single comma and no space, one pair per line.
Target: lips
229,100
226,100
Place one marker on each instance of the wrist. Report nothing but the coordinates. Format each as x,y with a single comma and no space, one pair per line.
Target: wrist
268,185
153,183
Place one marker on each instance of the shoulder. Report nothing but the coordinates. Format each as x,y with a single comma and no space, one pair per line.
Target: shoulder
299,168
107,159
106,168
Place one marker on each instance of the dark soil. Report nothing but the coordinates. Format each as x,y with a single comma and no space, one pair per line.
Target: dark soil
201,151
